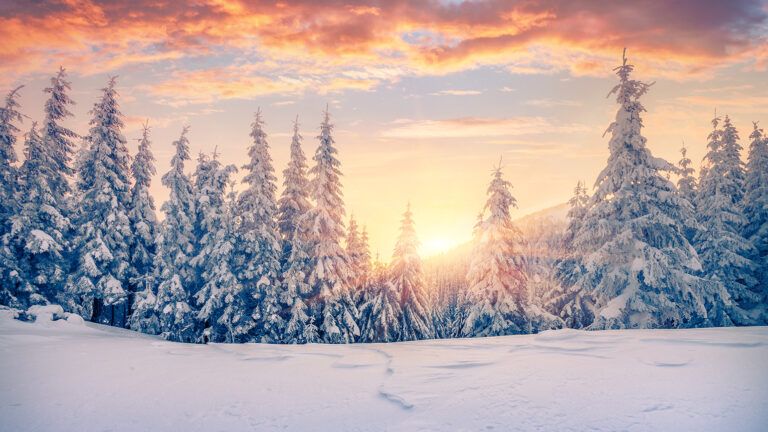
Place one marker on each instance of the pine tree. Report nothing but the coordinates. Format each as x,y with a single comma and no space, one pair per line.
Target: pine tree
177,319
573,305
686,188
294,201
407,279
329,274
226,305
359,257
724,251
59,140
638,266
498,292
10,273
37,233
178,237
756,207
381,314
97,289
143,251
258,258
214,256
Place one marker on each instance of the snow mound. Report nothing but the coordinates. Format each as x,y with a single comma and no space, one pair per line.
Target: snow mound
95,378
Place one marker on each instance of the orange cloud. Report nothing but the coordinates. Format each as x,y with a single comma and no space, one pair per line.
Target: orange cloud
336,38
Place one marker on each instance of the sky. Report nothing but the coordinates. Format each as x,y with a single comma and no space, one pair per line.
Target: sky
427,97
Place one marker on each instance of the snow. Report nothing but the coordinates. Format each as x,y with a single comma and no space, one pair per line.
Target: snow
94,378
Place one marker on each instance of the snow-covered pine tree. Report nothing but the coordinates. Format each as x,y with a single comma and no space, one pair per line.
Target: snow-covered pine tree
686,184
724,252
223,313
143,250
294,201
500,302
9,206
756,207
380,314
292,222
329,274
638,266
407,279
359,257
59,140
37,233
258,240
177,319
686,187
178,237
97,288
226,305
573,305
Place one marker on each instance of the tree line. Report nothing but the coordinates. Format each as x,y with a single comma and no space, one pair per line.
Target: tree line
79,228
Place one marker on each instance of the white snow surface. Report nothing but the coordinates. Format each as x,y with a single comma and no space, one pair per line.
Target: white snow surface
95,378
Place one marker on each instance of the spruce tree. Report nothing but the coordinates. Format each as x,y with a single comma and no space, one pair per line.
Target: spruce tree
498,288
294,201
725,253
143,250
380,314
10,273
177,319
258,243
98,287
212,263
639,268
573,305
59,140
756,208
686,188
329,274
178,238
37,234
226,305
407,279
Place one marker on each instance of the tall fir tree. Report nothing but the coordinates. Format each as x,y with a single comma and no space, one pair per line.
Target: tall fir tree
213,258
359,256
639,268
10,273
687,188
292,221
59,140
143,250
408,281
501,303
756,208
573,305
225,304
98,287
258,258
294,201
725,253
329,274
178,226
38,230
175,249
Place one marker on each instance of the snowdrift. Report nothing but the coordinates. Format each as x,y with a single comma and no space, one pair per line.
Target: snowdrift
65,375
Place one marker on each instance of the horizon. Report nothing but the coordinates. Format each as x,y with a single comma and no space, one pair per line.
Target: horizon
420,115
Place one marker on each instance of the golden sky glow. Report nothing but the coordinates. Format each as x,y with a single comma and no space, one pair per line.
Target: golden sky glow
425,95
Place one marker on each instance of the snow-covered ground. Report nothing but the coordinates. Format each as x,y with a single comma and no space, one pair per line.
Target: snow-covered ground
66,376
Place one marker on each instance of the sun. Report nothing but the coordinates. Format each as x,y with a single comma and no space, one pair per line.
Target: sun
437,245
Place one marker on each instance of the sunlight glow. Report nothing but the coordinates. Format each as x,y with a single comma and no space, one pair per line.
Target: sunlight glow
437,245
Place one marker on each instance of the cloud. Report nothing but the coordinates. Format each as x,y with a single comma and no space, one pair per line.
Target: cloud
475,127
370,42
456,93
552,103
